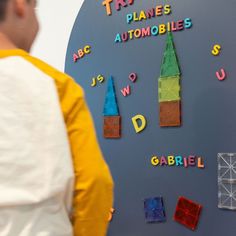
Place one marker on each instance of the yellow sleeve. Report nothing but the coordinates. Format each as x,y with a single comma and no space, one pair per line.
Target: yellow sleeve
93,185
93,193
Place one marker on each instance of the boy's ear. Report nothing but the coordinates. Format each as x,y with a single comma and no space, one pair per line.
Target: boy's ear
20,7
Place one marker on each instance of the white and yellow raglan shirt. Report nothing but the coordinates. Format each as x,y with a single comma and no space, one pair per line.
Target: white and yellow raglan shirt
51,167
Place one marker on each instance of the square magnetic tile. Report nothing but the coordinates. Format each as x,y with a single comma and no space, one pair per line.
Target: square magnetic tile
154,210
170,114
187,213
112,127
169,89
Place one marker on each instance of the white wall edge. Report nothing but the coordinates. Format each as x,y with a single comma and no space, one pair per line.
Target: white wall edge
56,18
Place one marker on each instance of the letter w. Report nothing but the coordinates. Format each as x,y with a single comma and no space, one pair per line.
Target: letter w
126,91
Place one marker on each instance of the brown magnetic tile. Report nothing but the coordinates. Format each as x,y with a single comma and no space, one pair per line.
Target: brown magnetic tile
112,127
170,114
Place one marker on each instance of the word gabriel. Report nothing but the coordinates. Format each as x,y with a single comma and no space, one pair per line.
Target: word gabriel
192,161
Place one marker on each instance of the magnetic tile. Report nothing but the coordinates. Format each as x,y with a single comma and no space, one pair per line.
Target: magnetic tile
110,105
169,89
112,127
170,114
154,210
170,65
227,180
187,213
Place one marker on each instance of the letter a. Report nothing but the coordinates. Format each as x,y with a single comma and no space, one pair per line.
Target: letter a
75,57
138,128
118,39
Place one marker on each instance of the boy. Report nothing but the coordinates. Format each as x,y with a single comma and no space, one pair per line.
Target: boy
51,167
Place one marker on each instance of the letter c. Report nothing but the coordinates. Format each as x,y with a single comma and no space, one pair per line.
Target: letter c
87,49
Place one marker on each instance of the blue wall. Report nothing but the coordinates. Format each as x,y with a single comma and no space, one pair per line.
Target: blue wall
208,112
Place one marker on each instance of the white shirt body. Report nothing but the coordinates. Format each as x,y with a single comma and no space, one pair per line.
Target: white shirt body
36,171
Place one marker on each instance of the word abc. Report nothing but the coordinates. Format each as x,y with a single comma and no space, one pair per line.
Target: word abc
81,53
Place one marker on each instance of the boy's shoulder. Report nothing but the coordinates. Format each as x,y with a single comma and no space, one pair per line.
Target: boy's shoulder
62,80
47,69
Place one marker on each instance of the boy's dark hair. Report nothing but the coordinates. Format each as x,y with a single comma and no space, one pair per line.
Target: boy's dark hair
3,4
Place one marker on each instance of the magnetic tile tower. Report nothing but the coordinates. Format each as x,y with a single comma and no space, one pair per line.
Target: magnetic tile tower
169,87
227,181
112,118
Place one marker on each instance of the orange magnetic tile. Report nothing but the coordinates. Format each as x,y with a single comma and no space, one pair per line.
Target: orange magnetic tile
112,127
170,113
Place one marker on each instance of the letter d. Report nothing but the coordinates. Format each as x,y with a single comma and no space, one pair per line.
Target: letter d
138,128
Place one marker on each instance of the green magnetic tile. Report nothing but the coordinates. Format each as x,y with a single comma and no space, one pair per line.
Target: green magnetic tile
169,89
170,65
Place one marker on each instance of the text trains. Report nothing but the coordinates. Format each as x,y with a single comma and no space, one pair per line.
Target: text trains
154,30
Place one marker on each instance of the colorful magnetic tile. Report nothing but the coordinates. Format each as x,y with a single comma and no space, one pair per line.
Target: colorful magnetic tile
110,106
112,127
154,210
187,213
170,47
227,167
170,114
170,65
169,89
227,195
227,180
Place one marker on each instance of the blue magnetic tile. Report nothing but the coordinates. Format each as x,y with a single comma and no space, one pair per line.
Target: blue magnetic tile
110,106
154,210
